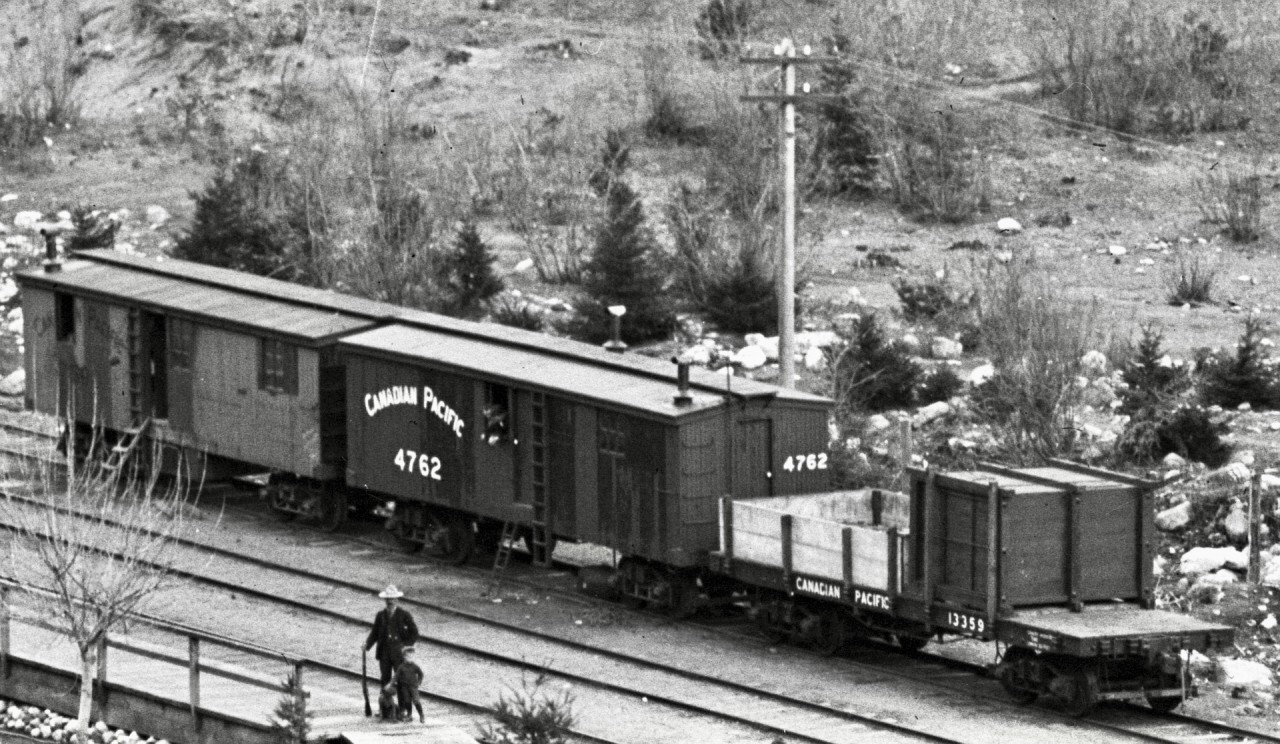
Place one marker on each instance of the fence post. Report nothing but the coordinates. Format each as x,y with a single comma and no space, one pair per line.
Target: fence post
905,445
1255,528
193,684
299,696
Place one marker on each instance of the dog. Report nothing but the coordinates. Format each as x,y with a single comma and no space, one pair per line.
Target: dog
388,705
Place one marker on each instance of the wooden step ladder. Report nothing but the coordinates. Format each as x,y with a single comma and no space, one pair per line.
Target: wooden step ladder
120,453
503,555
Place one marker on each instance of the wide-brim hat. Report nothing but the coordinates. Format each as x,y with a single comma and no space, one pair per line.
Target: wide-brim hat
391,592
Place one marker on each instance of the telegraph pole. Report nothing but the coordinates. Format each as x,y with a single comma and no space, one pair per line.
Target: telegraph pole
784,57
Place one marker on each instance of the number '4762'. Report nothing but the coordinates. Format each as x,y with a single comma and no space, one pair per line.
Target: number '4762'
812,461
423,464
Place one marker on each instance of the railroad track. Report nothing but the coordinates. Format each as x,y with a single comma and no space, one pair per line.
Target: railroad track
701,701
1128,720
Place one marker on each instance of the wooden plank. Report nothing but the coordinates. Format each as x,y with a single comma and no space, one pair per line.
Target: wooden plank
785,526
993,552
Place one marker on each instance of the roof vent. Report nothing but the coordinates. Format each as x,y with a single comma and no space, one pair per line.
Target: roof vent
682,398
616,344
51,262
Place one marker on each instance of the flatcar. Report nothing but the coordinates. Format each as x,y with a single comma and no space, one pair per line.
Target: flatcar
711,489
1052,563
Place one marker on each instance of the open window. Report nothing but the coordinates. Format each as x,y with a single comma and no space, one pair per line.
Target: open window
65,315
497,413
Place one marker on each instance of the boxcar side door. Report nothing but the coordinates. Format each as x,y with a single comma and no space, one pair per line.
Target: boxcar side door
753,459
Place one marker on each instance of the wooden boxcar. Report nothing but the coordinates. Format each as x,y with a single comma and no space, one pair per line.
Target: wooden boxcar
1056,562
229,372
612,450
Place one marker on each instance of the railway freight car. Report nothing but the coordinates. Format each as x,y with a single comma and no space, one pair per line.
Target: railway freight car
465,427
227,373
462,430
1052,563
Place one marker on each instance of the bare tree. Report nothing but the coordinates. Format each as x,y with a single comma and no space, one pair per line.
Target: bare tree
100,538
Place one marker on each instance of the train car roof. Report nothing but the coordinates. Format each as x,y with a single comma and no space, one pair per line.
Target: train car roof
321,315
219,304
527,367
1058,476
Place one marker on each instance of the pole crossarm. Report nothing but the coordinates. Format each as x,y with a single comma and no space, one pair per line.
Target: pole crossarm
780,60
793,100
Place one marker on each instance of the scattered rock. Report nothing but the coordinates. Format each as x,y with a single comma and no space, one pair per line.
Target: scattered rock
750,357
877,422
1175,517
1236,523
14,384
1199,561
981,374
26,219
1117,250
768,343
910,343
1095,362
1240,673
157,215
815,359
1008,226
930,413
1174,460
1236,472
697,354
523,265
806,340
945,348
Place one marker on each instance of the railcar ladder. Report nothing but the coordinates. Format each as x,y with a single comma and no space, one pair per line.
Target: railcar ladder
128,443
503,556
538,541
136,375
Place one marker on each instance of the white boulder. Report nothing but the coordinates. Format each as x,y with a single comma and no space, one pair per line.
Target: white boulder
815,359
750,357
1175,517
1173,461
930,413
1008,226
1244,673
1271,570
769,344
1268,481
945,348
981,374
15,383
806,340
1095,362
877,422
157,215
1236,523
1206,560
27,219
1117,250
696,354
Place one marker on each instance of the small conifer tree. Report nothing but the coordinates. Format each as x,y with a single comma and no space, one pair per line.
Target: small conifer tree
1246,377
624,270
1153,381
291,719
468,272
844,150
91,228
872,373
235,226
615,156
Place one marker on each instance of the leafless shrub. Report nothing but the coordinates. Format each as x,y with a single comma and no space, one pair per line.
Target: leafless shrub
1035,341
1234,201
1190,280
41,64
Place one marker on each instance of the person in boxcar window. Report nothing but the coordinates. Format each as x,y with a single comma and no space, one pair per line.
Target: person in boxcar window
495,423
393,630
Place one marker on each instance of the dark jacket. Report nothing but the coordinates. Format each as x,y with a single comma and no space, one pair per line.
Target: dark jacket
392,635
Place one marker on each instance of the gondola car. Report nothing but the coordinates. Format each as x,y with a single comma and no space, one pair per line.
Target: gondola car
1054,563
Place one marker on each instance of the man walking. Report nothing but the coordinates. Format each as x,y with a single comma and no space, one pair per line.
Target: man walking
393,629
